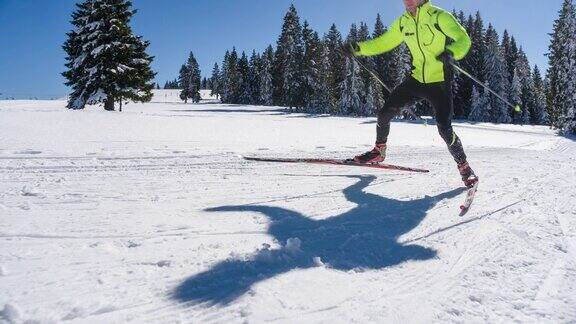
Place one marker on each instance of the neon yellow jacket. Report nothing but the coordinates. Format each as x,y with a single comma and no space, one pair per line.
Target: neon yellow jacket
426,35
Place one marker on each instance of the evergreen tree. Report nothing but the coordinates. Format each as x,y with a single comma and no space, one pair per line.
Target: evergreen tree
106,62
478,48
316,71
480,110
190,80
496,75
310,64
245,94
562,69
323,98
539,111
174,84
255,66
215,81
77,58
510,53
184,82
289,55
372,94
333,43
352,87
266,85
524,72
232,78
225,82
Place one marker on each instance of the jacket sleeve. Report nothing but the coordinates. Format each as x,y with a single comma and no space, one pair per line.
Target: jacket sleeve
384,43
456,32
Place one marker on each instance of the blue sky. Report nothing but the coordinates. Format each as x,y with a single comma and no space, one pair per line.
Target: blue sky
32,31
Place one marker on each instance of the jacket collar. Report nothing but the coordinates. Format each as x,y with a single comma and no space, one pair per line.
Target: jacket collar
426,4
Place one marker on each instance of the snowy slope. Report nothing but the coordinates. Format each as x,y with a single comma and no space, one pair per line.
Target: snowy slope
150,216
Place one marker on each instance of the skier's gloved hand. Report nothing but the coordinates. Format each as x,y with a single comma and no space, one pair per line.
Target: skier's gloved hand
446,57
351,48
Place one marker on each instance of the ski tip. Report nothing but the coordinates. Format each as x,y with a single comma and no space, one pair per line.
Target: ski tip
462,207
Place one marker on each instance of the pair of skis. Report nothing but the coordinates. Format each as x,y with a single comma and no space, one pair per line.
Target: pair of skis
464,208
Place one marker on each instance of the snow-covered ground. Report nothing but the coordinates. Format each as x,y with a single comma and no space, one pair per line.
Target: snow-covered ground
151,216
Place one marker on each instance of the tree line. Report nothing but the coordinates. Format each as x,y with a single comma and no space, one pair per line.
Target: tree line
310,74
106,63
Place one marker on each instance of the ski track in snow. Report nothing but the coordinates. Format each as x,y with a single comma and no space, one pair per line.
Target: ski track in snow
151,216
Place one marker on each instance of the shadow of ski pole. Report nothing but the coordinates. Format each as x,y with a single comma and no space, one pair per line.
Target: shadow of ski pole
462,223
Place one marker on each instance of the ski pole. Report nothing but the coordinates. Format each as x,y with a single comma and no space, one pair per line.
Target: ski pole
377,78
461,70
374,75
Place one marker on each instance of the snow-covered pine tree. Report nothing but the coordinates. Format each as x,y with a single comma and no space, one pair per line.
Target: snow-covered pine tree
539,109
289,54
352,87
184,83
171,84
478,48
76,60
510,53
496,75
192,83
373,97
224,83
215,82
323,100
480,109
527,87
562,69
254,70
244,86
310,62
333,42
315,71
232,78
266,86
107,62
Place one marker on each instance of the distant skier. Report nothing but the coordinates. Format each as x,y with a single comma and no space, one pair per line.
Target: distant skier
426,30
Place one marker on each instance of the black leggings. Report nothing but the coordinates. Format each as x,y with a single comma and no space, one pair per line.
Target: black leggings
439,95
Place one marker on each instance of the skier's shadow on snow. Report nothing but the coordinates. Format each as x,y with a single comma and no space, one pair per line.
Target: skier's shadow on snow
365,237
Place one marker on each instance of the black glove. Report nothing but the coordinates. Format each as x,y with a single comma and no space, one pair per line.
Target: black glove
351,48
446,57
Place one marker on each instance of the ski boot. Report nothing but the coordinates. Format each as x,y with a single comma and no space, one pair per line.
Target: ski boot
376,155
467,174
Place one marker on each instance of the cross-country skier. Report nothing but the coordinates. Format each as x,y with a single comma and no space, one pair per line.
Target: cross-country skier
435,39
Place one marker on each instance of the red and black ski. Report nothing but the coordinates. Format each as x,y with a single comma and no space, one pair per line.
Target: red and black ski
465,207
338,162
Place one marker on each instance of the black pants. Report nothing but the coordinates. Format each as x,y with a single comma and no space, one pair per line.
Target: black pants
439,95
